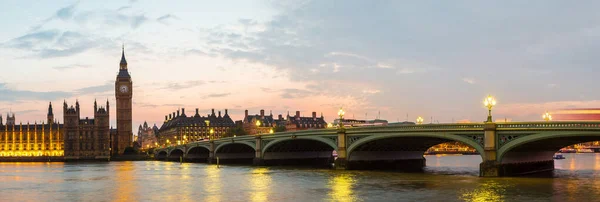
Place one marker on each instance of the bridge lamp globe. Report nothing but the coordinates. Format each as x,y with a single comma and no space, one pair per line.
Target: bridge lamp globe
547,116
419,120
271,130
341,113
257,123
489,102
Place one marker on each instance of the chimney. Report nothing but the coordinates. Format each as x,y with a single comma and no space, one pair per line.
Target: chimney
182,111
262,113
196,111
246,113
169,116
225,111
213,112
173,114
178,113
219,113
297,114
166,118
314,115
280,117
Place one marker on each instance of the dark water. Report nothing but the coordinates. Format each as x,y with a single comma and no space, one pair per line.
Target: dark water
447,178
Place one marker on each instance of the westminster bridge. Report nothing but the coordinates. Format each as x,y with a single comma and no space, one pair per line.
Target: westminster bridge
506,149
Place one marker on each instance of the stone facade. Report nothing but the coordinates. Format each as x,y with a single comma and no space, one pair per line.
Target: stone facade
86,138
179,128
146,136
31,140
123,93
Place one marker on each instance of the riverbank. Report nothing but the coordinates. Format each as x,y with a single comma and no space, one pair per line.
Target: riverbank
67,159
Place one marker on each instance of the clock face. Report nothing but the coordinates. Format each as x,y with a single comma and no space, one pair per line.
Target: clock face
123,89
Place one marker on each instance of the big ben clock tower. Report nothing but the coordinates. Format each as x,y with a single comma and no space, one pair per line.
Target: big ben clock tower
123,94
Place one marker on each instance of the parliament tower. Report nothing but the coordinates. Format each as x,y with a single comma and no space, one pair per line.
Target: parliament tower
123,93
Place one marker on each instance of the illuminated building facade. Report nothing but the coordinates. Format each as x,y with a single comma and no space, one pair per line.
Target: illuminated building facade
295,123
260,123
86,138
179,128
146,136
31,140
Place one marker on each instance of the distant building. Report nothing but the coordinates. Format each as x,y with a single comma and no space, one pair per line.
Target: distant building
86,138
583,114
266,124
297,122
30,140
360,123
146,136
179,128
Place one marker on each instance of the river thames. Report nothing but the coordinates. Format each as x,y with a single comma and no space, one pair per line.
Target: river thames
446,178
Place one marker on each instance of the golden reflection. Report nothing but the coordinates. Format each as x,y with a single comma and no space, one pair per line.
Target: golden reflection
341,188
572,164
597,162
212,183
124,182
488,191
260,181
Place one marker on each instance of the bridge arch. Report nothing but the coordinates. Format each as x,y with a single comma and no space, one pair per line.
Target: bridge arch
197,147
541,146
318,139
235,152
175,154
197,154
396,150
253,146
308,151
161,155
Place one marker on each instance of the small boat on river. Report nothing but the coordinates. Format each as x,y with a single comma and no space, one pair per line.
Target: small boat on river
559,156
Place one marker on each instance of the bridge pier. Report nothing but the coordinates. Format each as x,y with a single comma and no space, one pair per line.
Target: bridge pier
211,153
258,157
341,162
490,167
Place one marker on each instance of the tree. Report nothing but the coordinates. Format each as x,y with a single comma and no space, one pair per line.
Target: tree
237,130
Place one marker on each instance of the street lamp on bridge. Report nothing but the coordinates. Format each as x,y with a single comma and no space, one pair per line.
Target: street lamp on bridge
489,102
547,116
341,115
419,120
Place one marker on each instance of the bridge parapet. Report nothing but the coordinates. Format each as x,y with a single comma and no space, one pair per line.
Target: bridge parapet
549,126
422,127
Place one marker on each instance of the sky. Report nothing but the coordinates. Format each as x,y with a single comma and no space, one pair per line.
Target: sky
394,59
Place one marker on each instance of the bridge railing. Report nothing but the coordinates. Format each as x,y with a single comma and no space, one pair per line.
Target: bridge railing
423,127
549,125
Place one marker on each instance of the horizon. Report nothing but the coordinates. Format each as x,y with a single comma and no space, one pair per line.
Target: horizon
399,59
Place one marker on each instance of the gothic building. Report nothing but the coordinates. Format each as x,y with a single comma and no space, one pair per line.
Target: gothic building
297,122
179,128
146,136
86,138
31,140
261,124
122,137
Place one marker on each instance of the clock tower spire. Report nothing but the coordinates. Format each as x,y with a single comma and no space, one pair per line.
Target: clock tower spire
123,94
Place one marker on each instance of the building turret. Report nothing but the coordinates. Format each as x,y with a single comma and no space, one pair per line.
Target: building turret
50,114
0,119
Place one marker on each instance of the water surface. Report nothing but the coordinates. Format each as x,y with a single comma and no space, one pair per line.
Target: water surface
446,178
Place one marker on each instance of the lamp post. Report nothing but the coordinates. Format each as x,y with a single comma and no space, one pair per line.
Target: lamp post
547,116
489,102
419,120
212,132
341,113
258,127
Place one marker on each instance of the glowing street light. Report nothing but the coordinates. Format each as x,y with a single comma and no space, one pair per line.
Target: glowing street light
211,131
341,113
419,120
489,102
271,130
547,116
257,123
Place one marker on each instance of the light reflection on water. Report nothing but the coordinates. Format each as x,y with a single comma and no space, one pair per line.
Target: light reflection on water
447,178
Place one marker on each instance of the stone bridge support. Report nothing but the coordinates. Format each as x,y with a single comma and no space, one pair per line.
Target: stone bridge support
490,167
211,153
258,157
341,163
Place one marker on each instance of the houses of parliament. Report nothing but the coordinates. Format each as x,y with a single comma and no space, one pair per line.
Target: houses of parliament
77,138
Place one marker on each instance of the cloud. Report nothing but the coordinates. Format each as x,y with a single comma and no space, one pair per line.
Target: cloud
469,80
166,18
371,91
15,95
73,66
54,43
67,12
123,8
184,85
96,89
291,93
216,95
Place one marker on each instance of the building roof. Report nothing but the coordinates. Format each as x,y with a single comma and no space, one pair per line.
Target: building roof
31,127
198,120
